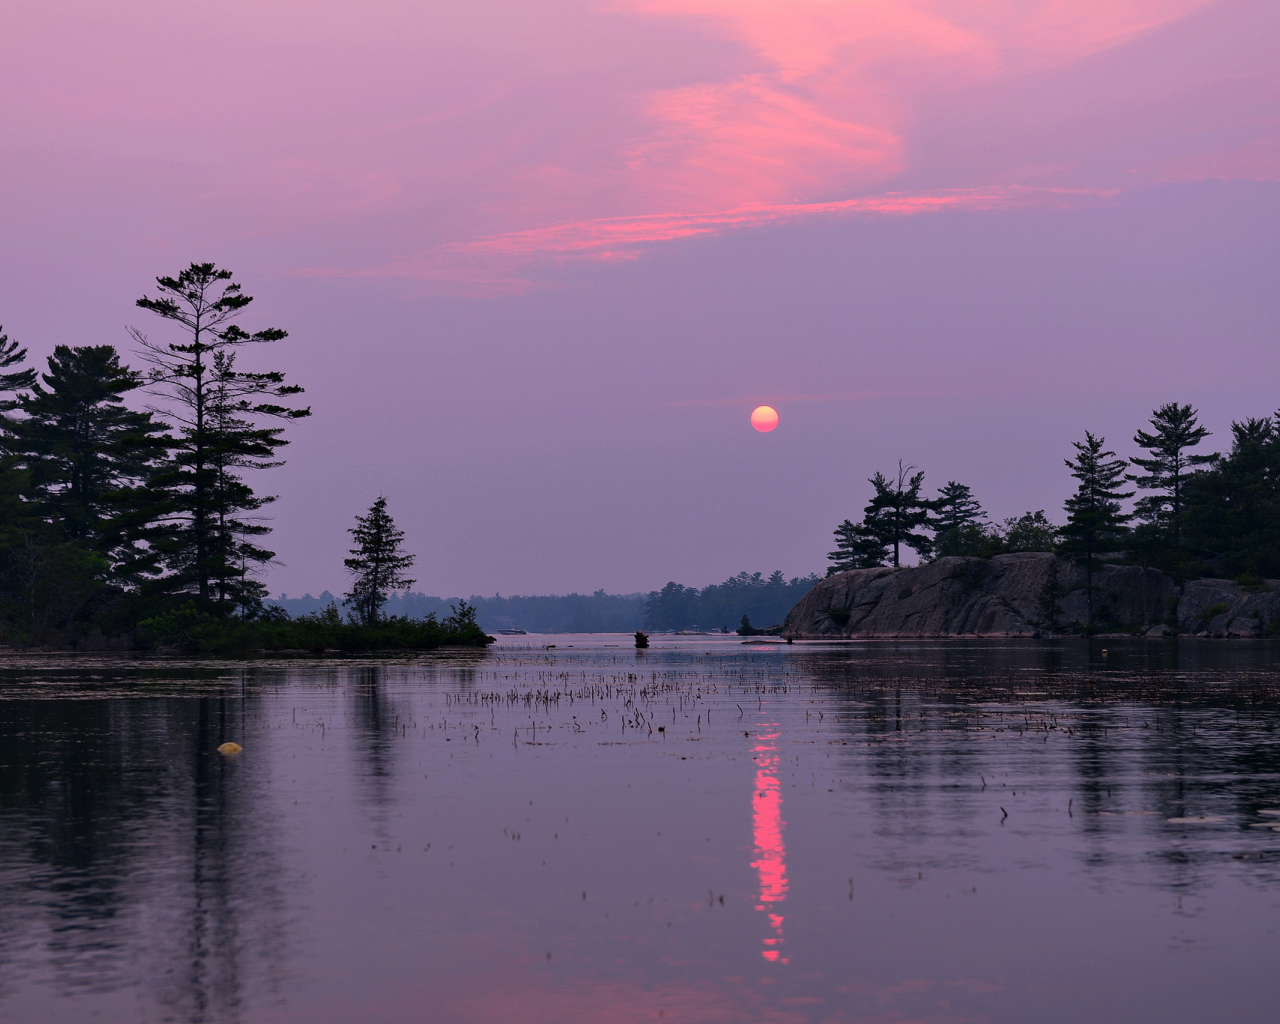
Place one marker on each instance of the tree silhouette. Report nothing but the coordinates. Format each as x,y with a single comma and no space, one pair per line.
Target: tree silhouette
377,563
1094,520
1233,509
856,548
15,380
956,525
1168,468
87,454
199,379
896,510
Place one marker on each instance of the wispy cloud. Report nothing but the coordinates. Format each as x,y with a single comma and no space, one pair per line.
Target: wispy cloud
492,265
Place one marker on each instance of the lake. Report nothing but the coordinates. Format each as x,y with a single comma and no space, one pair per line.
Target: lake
707,831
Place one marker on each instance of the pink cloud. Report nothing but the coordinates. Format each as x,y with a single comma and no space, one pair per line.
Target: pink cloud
830,108
477,136
750,141
487,265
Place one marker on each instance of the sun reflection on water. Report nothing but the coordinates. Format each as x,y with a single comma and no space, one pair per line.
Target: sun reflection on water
771,853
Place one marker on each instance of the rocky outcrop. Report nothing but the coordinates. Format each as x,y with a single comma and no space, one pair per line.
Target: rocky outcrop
1025,594
1223,608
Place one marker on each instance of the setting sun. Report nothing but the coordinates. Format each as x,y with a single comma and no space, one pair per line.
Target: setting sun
764,418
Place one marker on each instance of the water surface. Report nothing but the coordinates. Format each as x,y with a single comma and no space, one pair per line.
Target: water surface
708,831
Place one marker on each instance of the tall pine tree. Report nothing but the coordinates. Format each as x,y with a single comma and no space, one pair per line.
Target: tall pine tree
1175,431
1095,521
215,407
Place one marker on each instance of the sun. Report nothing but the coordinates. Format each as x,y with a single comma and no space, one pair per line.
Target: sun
764,418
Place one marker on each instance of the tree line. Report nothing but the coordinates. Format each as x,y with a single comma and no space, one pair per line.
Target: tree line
734,603
1197,513
597,612
119,519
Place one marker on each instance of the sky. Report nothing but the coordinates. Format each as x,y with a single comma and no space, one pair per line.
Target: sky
538,262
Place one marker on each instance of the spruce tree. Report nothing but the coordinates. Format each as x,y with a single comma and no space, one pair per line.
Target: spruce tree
856,548
215,407
377,563
1094,519
1175,432
896,510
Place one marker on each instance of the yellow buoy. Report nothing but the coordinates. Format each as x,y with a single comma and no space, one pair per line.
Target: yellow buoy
230,748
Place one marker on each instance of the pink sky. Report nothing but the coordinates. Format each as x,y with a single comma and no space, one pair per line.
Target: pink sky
538,261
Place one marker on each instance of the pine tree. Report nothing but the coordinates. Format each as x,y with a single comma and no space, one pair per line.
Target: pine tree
215,407
1094,520
15,380
896,510
1233,509
856,548
237,444
87,454
13,479
377,562
1167,470
955,506
957,526
44,575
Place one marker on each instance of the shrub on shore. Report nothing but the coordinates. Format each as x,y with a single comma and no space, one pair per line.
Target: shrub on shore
190,631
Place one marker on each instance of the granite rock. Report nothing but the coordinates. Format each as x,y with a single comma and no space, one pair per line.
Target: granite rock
1009,596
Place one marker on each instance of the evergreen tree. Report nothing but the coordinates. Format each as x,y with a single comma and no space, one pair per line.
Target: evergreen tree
13,381
237,444
1175,432
856,548
956,525
86,453
215,407
1233,509
1094,519
954,507
896,510
44,577
377,562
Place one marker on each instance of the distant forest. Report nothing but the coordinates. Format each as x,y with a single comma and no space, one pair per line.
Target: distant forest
572,613
764,599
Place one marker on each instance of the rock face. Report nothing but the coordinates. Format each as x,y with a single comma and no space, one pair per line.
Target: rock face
1024,595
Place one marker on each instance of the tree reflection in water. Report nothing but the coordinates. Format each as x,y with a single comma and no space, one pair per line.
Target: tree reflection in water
131,850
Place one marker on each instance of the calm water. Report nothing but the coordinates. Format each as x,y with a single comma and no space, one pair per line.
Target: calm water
704,832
